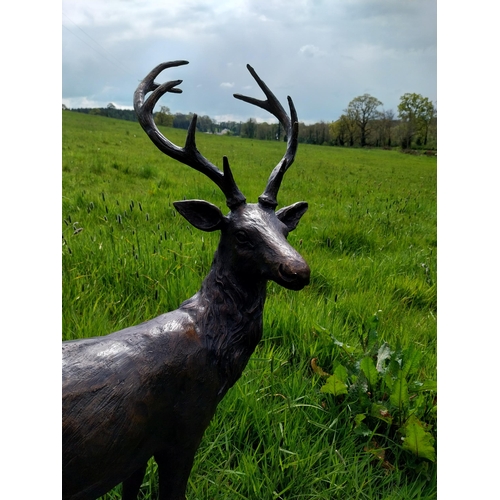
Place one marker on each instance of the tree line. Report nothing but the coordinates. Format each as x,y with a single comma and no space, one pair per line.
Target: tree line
362,123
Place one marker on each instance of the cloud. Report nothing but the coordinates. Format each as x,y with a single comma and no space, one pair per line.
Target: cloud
322,53
311,51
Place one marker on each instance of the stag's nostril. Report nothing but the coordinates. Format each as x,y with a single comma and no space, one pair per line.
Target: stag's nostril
294,277
286,274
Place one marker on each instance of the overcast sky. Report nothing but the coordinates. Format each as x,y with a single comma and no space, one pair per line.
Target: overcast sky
322,53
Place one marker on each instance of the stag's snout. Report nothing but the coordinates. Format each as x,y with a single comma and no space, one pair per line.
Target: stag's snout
294,275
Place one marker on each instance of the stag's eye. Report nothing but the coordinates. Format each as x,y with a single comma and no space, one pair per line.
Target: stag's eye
241,237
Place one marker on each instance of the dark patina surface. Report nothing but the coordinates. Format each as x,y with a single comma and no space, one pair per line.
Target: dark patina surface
150,390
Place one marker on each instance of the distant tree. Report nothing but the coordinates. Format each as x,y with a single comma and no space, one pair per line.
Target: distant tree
110,110
182,120
205,124
362,110
416,112
264,131
343,131
383,128
427,118
164,117
64,107
432,133
337,133
316,133
249,128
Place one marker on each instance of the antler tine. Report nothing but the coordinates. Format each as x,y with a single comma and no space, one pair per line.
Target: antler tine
189,154
291,126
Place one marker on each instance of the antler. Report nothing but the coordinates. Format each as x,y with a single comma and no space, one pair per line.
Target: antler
189,154
291,126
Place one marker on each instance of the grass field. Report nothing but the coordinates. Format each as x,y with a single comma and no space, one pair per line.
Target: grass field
369,237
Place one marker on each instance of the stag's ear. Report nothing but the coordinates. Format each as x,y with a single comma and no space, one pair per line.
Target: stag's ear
201,214
291,215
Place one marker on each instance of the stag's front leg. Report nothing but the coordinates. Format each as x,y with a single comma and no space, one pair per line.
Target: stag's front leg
173,470
132,484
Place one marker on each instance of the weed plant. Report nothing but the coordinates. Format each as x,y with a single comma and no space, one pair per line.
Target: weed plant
370,239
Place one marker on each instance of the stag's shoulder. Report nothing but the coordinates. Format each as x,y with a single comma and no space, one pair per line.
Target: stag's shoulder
172,331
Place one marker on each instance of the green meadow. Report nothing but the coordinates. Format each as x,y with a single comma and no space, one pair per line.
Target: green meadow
370,240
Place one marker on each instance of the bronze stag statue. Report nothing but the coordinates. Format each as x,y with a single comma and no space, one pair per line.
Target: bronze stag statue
151,390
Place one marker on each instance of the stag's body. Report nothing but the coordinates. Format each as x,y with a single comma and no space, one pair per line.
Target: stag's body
152,404
152,389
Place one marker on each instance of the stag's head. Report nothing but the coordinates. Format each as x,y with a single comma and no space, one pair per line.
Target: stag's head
253,235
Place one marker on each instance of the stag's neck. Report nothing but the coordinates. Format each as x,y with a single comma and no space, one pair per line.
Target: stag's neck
229,310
